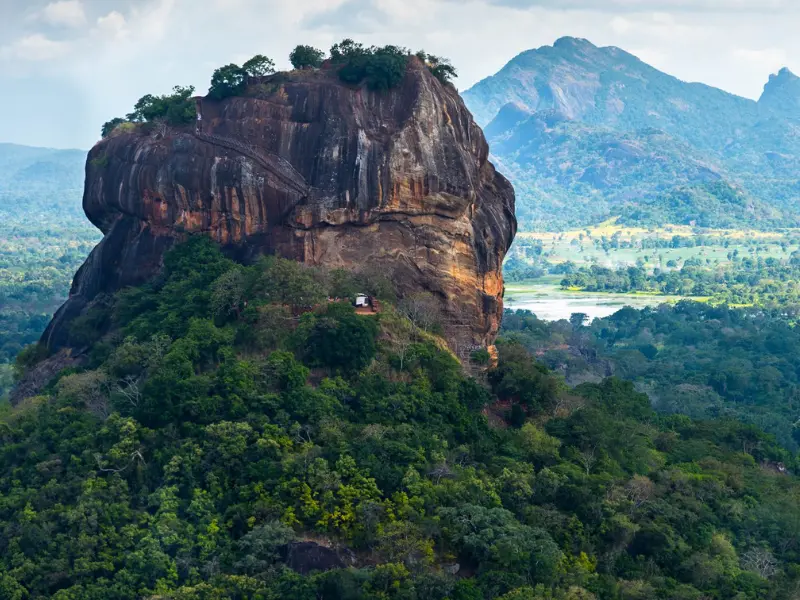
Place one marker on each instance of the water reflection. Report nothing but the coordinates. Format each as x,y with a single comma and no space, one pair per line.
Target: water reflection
551,303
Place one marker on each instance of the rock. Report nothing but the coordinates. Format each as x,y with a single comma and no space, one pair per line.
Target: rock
305,557
781,95
308,168
40,375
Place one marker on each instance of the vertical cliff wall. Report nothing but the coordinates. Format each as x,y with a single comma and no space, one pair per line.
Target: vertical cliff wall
311,169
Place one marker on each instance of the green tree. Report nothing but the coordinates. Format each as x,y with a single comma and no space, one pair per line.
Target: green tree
227,81
440,67
306,57
381,68
519,379
386,68
261,548
110,126
347,50
341,339
228,293
177,108
495,539
258,66
289,282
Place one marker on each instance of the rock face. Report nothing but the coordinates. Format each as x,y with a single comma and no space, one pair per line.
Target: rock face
781,96
308,168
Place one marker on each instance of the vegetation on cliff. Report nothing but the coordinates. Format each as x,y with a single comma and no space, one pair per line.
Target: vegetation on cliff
379,68
220,444
306,57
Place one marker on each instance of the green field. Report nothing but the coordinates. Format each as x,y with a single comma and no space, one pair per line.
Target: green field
611,245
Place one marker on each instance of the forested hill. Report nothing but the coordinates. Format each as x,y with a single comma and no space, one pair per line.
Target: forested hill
24,167
44,237
215,443
586,133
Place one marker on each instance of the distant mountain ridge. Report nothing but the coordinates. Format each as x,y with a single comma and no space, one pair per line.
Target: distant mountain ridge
22,167
586,133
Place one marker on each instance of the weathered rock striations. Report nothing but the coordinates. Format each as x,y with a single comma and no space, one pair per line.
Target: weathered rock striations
311,169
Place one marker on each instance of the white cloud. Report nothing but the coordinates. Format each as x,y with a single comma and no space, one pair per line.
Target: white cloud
652,56
660,25
621,25
113,25
689,6
127,48
69,13
36,47
766,59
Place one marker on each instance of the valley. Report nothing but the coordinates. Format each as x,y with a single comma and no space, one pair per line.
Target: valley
611,244
44,238
736,267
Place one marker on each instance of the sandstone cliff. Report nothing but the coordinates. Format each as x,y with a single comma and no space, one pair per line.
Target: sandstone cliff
308,168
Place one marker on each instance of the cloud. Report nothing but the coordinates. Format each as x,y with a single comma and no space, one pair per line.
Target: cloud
766,59
653,57
113,24
655,5
127,48
664,26
67,13
36,47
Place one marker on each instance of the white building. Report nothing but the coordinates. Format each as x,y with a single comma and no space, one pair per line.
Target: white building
362,300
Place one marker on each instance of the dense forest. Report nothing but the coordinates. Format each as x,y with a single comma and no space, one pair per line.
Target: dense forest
44,238
224,440
692,358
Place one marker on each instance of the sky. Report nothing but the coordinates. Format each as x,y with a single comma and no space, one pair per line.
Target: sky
67,66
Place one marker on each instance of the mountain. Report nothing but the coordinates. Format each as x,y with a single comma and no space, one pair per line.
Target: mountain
310,168
25,167
586,133
781,97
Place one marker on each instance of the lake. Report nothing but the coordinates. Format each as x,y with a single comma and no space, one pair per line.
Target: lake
550,303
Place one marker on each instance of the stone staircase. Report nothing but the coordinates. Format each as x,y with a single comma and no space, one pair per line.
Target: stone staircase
274,164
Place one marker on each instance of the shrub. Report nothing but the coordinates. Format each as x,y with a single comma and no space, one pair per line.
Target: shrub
231,80
227,81
258,66
304,57
347,50
29,357
177,108
110,126
440,67
380,68
481,357
386,67
343,340
100,162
